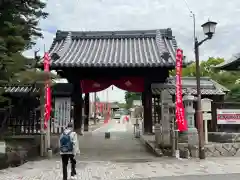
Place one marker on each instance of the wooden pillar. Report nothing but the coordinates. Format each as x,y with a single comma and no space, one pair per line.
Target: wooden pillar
77,107
144,112
86,112
147,102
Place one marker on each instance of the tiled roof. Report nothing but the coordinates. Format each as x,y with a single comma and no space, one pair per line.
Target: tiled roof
208,86
149,48
59,89
20,89
232,64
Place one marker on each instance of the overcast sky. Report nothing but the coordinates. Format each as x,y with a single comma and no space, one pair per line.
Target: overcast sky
81,15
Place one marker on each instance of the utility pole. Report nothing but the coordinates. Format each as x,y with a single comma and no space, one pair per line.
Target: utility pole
43,134
209,30
199,106
42,110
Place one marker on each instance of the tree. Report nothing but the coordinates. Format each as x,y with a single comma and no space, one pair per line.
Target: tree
228,79
130,96
234,94
19,31
97,99
206,68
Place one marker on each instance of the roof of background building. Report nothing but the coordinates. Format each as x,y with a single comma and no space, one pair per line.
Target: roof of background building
189,84
208,87
61,89
14,88
147,48
232,64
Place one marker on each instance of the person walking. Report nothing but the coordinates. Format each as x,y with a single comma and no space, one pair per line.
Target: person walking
69,148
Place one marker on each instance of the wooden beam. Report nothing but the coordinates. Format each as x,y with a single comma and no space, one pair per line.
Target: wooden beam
147,107
86,112
77,107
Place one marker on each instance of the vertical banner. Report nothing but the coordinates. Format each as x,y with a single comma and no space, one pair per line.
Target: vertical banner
57,117
47,113
180,115
62,114
101,107
107,109
96,106
68,109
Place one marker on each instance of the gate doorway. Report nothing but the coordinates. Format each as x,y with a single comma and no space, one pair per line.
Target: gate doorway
104,57
130,60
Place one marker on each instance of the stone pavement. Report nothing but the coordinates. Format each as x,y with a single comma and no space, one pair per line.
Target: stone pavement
121,145
106,170
121,157
196,177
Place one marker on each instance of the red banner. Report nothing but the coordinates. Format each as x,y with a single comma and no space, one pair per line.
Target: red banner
101,107
97,107
132,84
47,113
180,115
89,86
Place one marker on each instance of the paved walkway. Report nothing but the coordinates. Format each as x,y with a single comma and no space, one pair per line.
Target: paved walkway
121,157
121,146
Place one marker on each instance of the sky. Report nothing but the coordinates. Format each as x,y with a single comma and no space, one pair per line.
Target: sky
97,15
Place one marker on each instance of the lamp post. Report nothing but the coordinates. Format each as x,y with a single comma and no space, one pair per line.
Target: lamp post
209,30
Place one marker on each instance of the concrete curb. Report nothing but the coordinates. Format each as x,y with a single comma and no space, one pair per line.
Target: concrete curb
150,146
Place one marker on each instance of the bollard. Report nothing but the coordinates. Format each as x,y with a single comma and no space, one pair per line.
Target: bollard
177,152
137,132
107,135
49,153
157,135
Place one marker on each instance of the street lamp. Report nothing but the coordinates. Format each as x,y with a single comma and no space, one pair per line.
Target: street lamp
208,29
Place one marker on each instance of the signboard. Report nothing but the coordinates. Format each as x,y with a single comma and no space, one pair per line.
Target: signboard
228,116
207,116
206,104
2,147
62,113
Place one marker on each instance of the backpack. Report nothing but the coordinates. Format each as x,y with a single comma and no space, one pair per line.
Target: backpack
66,144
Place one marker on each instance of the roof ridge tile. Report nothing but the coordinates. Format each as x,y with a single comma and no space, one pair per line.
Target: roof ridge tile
137,48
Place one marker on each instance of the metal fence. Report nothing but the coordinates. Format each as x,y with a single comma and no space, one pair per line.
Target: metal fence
20,117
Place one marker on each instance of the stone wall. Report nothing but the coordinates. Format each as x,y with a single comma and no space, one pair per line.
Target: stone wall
21,149
223,137
212,150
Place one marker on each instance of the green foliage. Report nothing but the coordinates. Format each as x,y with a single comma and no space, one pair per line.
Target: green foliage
129,97
205,66
230,80
225,78
19,31
97,99
234,94
19,23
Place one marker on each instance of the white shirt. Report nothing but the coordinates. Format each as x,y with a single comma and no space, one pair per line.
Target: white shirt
74,139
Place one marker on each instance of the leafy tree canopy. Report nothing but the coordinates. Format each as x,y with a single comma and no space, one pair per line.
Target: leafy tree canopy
129,97
19,30
230,80
225,78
